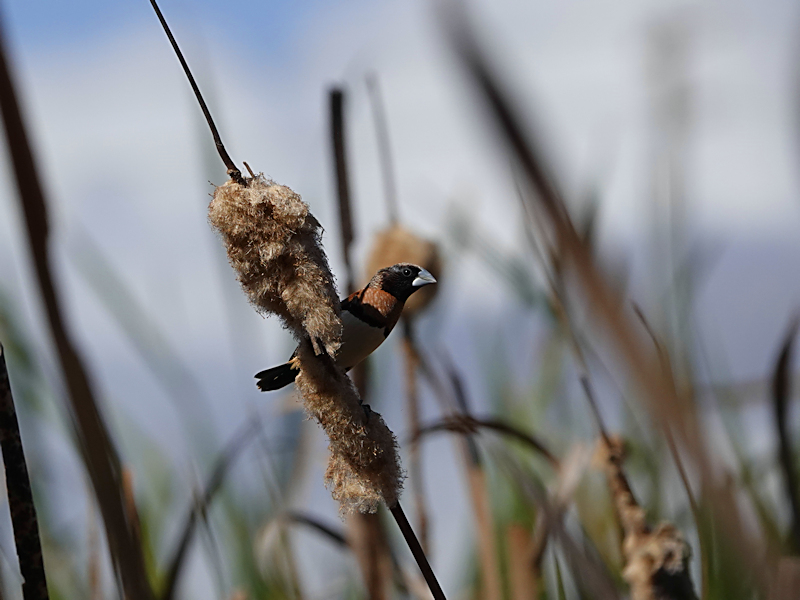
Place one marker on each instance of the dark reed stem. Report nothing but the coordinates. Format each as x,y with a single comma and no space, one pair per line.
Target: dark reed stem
781,393
416,550
98,452
214,483
20,498
469,426
337,99
233,172
414,454
384,147
337,537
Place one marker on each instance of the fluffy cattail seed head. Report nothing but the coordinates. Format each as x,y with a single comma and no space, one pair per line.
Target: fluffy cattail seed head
396,244
364,468
273,244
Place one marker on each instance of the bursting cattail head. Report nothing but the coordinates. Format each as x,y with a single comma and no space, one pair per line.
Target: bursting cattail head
396,244
273,244
363,468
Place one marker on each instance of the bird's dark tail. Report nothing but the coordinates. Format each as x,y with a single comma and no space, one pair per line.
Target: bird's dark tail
276,377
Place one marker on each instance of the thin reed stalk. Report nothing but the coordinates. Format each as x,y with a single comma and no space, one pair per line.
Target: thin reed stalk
523,582
415,474
471,425
781,393
233,171
337,100
384,147
416,551
697,515
97,449
20,498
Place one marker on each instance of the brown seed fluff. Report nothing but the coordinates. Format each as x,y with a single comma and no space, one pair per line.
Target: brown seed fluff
364,468
396,244
273,244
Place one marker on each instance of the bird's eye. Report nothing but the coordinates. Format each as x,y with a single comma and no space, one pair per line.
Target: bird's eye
407,272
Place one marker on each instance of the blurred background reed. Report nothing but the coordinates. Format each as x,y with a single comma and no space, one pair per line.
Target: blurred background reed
670,132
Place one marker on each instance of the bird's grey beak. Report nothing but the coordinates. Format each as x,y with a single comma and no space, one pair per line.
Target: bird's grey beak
423,278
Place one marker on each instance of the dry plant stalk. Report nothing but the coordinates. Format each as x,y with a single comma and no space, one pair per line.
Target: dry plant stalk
656,560
786,580
523,581
368,542
411,359
273,243
20,497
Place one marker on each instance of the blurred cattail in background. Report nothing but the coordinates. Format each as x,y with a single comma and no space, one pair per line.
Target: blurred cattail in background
656,560
398,244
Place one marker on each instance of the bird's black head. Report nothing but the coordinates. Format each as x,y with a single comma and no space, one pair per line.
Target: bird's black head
402,280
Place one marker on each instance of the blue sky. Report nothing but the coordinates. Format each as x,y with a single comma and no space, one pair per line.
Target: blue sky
269,29
52,25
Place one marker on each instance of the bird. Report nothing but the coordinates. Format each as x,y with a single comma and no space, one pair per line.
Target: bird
368,317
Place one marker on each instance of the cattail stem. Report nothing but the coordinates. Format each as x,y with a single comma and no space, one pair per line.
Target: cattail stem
414,454
233,172
416,550
337,100
20,498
